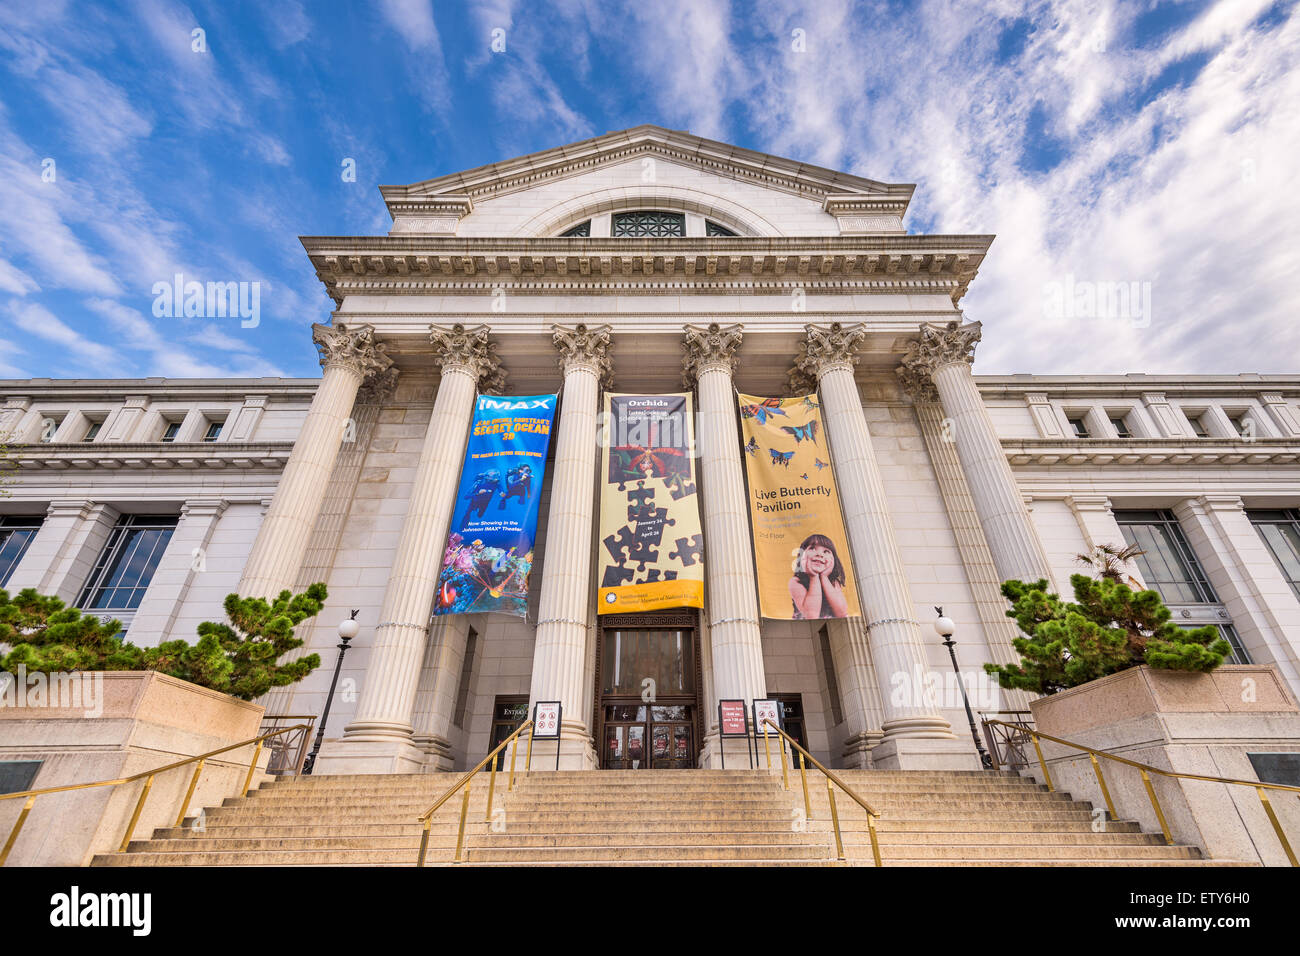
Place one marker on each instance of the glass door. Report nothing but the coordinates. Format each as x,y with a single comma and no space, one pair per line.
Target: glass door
648,707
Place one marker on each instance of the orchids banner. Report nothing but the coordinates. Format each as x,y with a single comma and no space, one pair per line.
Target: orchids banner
801,550
652,551
490,547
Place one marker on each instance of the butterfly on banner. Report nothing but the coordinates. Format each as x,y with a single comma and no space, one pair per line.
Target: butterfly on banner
751,446
769,406
820,464
800,432
781,458
808,401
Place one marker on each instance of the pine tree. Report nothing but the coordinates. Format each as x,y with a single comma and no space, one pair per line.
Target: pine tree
46,635
1109,628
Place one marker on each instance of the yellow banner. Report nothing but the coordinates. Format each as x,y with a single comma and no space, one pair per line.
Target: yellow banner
801,550
652,549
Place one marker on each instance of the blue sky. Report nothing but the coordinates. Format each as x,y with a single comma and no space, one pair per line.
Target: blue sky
1145,142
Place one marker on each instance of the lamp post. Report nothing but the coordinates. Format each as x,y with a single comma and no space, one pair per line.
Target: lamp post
348,629
945,627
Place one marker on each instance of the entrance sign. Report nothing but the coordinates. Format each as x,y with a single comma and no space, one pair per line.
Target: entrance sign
800,547
652,552
494,520
733,721
547,715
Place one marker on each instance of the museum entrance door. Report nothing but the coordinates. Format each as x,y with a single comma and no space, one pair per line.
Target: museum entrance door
647,705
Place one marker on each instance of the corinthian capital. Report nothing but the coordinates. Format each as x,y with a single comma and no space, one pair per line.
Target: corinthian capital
378,388
470,350
827,347
706,346
350,347
582,345
940,346
917,384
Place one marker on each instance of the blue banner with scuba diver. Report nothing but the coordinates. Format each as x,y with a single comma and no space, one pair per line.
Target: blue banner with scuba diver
490,544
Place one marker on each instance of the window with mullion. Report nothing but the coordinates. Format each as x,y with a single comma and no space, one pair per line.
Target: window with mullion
1169,566
1281,532
648,223
581,231
128,562
16,533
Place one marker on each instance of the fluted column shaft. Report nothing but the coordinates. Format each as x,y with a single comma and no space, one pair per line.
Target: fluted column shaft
564,609
388,692
734,633
348,355
896,642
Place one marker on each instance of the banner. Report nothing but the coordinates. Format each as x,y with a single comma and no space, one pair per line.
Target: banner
804,569
652,553
490,546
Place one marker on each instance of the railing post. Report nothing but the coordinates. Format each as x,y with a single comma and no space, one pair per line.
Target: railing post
991,735
1043,763
464,810
835,819
492,788
189,794
18,826
785,771
803,774
514,752
875,843
1160,814
1105,791
1272,818
424,839
248,781
767,746
528,757
139,805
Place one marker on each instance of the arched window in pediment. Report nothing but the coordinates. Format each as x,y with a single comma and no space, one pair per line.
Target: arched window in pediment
647,223
581,231
712,228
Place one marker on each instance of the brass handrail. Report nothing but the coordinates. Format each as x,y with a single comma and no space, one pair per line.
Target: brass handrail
1146,770
426,818
147,776
804,759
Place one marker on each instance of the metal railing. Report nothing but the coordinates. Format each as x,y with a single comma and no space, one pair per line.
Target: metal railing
288,752
1007,742
1146,770
148,777
831,782
426,818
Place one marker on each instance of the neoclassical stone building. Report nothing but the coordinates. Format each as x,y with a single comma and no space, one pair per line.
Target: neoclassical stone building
653,261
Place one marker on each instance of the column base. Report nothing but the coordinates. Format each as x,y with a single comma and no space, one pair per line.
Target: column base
345,755
857,749
738,754
924,753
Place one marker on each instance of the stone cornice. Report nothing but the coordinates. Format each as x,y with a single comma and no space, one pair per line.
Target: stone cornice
155,456
709,345
585,345
435,265
470,348
1137,385
523,172
1148,452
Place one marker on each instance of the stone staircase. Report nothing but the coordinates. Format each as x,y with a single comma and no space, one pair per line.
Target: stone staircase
669,817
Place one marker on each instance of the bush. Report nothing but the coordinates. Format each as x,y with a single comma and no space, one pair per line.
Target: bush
1109,628
240,658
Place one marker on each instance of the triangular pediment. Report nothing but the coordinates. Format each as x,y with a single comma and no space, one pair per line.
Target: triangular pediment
458,192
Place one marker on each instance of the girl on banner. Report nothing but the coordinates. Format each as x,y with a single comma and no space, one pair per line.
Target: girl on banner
817,587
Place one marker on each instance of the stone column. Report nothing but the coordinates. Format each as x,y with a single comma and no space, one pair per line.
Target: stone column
435,701
859,693
734,634
916,736
565,609
379,738
943,355
348,355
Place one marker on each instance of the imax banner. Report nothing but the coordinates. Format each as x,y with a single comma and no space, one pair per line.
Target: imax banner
490,547
802,552
652,553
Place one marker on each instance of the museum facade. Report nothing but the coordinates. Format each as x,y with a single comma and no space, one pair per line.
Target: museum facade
652,262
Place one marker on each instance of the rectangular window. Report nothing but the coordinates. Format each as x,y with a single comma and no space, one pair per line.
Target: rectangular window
1241,424
1198,426
128,562
92,431
171,431
1168,566
49,426
214,431
1281,532
466,669
1121,428
16,533
1080,429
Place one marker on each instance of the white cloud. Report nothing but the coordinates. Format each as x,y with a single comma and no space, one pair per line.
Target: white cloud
15,281
37,321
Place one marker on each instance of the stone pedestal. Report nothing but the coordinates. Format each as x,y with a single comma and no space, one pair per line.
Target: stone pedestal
1192,723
